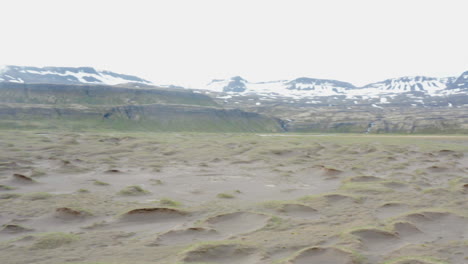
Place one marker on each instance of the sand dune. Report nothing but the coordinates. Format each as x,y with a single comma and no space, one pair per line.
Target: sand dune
152,214
14,229
440,227
238,222
365,178
187,236
376,241
323,256
223,253
67,213
22,179
406,229
391,209
299,211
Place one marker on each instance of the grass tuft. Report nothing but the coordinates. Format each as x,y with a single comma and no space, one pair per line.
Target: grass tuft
133,190
225,196
169,202
100,183
53,240
415,259
5,196
6,187
37,196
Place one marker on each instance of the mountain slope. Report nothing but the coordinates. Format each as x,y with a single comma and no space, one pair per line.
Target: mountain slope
408,84
313,87
152,117
461,82
289,88
65,75
63,94
303,87
91,107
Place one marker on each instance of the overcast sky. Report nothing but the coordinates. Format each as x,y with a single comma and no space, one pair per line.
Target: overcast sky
191,42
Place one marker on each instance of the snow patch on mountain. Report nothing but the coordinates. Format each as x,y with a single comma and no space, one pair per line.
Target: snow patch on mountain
3,68
65,75
311,87
297,88
410,84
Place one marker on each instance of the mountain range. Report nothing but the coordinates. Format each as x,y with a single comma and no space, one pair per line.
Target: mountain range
312,87
86,98
296,88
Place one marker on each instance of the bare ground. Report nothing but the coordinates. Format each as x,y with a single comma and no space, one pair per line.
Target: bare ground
232,198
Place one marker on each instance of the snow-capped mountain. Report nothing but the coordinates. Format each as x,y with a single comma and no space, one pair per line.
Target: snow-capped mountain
311,84
409,84
290,88
65,75
297,88
312,87
461,82
235,84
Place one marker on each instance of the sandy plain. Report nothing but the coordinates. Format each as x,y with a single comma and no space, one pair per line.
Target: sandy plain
120,198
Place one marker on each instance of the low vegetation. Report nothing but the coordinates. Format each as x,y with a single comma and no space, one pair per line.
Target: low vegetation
53,240
133,190
225,195
232,198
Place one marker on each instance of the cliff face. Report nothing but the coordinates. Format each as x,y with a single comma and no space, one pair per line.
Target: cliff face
448,114
389,120
152,109
107,107
193,118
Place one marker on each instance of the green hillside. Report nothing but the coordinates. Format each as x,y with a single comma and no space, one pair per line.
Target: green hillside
85,107
61,94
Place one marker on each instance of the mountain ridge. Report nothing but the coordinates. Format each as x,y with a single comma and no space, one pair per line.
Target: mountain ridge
302,87
461,82
65,75
306,86
415,104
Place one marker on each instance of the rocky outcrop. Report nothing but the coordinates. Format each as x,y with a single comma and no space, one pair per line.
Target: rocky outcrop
461,82
385,120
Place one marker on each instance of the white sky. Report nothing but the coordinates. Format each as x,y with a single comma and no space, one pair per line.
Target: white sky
191,42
